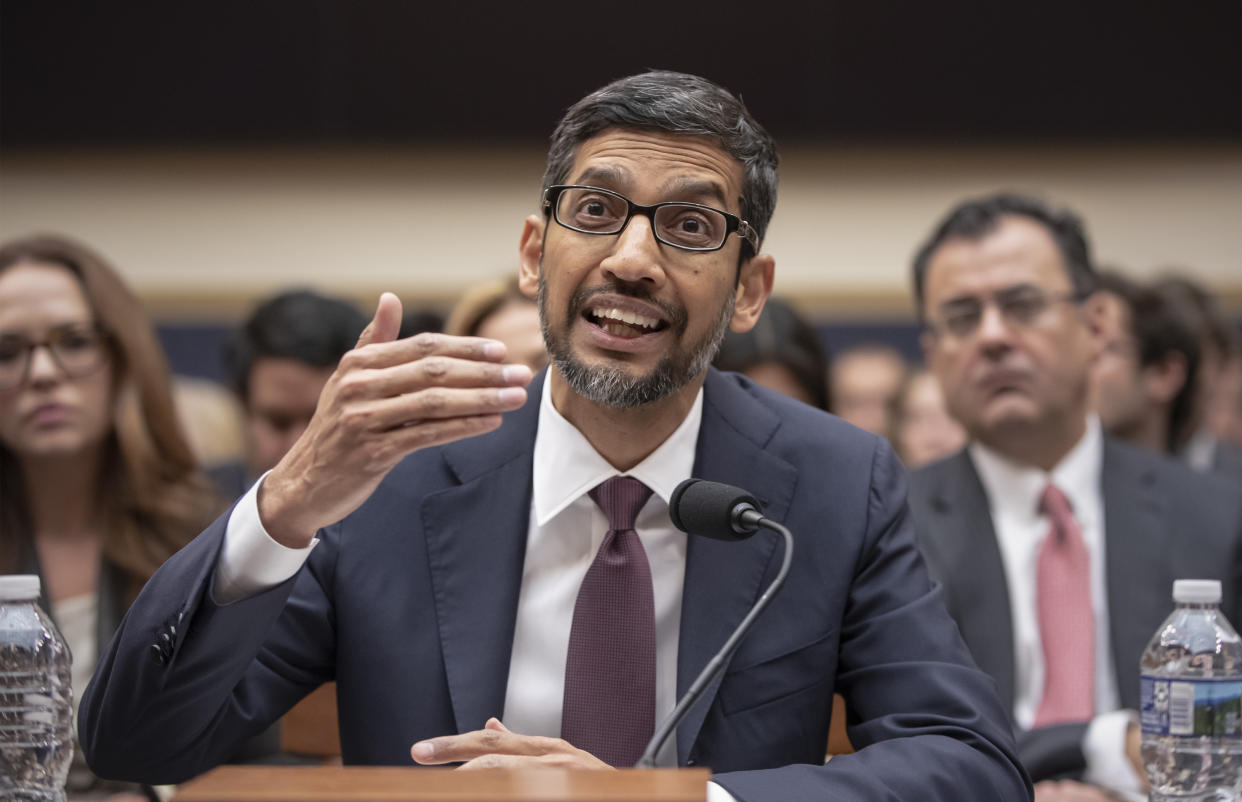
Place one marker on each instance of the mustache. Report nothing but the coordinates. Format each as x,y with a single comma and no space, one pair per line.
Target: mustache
676,315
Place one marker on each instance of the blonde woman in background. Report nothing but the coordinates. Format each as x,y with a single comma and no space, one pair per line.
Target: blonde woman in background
97,484
498,310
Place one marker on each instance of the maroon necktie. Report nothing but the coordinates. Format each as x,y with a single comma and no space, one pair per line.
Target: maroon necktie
1066,618
609,705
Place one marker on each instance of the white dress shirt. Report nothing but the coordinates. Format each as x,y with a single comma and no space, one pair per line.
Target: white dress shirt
566,529
1013,491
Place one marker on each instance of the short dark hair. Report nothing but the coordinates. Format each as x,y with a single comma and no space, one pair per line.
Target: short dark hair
780,335
303,325
1161,326
976,218
677,103
1209,322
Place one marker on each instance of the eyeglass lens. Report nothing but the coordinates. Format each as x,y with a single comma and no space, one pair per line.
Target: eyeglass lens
1021,306
681,224
77,350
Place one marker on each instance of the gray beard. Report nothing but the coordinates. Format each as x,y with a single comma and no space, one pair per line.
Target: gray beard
613,386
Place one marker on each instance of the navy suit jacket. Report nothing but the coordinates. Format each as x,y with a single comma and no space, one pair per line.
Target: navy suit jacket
1162,522
409,604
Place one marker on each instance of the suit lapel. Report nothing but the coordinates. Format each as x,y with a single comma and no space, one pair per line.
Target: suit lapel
724,579
1135,535
975,581
476,542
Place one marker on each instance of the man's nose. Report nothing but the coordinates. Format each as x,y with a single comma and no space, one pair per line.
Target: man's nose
636,254
995,332
993,325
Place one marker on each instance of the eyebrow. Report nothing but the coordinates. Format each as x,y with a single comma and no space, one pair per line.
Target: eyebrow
607,177
696,188
681,187
60,326
1002,293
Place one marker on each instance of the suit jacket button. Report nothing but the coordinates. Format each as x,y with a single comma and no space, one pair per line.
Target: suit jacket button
158,654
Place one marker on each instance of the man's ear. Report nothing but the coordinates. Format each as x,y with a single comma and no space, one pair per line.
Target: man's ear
1100,312
1165,379
530,254
754,285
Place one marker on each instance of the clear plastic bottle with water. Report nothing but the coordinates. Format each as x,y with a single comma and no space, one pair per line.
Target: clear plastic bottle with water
36,699
1191,708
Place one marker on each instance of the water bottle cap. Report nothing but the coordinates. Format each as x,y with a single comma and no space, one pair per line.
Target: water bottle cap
1196,591
19,587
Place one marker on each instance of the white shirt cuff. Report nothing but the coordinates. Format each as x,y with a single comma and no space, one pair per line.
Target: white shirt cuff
1104,747
715,793
251,561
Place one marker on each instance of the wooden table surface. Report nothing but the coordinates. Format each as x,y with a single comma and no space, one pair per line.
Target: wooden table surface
396,784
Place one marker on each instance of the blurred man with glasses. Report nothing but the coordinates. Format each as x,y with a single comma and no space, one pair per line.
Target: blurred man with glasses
527,572
1056,545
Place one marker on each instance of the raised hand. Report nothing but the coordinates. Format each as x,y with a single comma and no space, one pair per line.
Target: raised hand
387,399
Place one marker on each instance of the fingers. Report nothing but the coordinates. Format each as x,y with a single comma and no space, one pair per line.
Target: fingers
386,323
383,354
471,745
435,371
494,723
433,405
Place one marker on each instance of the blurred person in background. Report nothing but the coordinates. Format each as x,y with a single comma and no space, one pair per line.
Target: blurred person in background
864,382
1227,412
782,352
498,310
1055,544
416,321
1144,379
278,362
1201,447
923,431
97,484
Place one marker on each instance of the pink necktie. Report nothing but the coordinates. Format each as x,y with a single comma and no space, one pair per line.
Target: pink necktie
1066,619
609,704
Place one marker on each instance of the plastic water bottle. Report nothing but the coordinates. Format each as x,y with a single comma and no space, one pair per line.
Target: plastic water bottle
1192,700
36,699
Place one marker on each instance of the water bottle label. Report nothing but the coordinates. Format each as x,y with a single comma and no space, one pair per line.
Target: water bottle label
1190,706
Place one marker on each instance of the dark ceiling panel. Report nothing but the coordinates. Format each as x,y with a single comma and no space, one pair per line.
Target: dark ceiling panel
386,70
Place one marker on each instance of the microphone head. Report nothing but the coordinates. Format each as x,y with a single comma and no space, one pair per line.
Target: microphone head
709,509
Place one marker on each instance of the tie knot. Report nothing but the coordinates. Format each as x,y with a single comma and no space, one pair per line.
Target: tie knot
1054,504
620,497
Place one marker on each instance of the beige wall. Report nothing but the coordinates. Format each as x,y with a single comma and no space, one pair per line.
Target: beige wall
206,231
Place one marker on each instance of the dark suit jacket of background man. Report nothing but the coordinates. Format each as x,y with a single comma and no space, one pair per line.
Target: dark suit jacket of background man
409,604
1162,522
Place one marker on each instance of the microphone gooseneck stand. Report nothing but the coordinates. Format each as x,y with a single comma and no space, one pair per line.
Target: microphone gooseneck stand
748,519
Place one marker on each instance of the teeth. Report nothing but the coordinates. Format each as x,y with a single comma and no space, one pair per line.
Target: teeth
627,317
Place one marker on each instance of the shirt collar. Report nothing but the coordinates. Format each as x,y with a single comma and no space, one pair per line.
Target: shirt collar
1016,488
1200,451
566,466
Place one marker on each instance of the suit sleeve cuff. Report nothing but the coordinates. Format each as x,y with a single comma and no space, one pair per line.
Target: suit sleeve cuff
1104,747
716,793
250,560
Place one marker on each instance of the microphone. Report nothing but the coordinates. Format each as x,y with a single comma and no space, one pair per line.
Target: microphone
721,512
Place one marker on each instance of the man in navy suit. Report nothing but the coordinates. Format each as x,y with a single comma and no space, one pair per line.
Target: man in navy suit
1056,545
453,553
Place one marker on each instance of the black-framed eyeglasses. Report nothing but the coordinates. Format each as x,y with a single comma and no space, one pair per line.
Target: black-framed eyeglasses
78,349
1022,306
689,226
